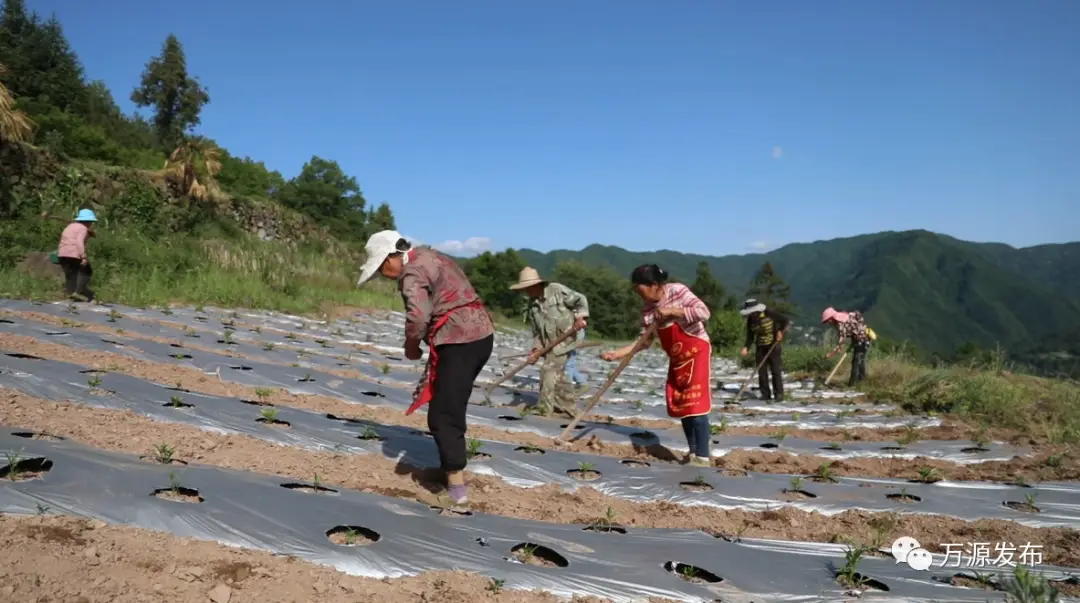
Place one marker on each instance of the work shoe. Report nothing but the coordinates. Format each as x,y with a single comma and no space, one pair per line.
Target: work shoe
701,461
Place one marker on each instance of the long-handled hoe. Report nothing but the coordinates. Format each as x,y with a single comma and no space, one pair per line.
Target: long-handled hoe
757,371
638,346
561,338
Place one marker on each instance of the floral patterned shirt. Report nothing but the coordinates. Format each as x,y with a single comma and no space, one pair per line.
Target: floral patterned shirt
431,285
853,329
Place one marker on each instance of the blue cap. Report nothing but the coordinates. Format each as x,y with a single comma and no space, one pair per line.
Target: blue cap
86,215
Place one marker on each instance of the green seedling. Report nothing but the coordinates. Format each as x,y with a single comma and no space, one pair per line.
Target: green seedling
256,329
13,460
929,475
910,436
848,575
617,389
176,402
72,308
883,527
981,439
699,480
472,447
94,382
526,553
263,393
268,346
779,435
824,473
119,331
370,433
174,483
163,453
639,404
688,571
113,315
290,336
350,536
177,356
585,467
795,484
1029,498
1054,461
1027,586
189,332
42,509
167,311
316,482
833,446
607,520
307,377
269,414
496,585
384,368
531,449
200,309
226,337
652,392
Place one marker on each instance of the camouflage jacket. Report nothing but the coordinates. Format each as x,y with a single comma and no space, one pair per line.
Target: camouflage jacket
431,285
553,313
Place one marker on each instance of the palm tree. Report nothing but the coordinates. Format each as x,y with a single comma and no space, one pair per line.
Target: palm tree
15,125
195,158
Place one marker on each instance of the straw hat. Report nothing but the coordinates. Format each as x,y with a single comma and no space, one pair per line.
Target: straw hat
527,278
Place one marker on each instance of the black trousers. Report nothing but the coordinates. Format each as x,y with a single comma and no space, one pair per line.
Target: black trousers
858,362
459,365
77,277
772,365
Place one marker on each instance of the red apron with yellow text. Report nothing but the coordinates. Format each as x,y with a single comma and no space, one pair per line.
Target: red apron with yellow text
689,392
427,389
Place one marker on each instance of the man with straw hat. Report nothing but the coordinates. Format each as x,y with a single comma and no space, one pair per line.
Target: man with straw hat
553,309
767,329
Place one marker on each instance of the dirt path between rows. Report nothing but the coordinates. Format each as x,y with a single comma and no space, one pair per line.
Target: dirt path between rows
46,559
124,431
1048,462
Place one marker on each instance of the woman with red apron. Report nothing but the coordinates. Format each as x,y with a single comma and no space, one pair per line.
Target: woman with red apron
682,318
443,311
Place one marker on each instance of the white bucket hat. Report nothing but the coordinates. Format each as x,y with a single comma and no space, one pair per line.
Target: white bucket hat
751,306
379,246
527,278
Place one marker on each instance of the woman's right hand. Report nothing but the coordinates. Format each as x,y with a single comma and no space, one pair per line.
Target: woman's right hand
609,355
744,352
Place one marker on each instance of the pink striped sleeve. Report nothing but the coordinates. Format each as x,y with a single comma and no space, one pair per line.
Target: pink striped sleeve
694,309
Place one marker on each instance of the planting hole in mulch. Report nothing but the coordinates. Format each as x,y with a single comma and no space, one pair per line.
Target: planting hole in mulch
223,342
309,488
634,463
733,472
374,394
974,449
273,422
177,404
93,372
352,536
797,494
509,418
698,485
22,356
181,356
578,426
605,528
240,367
259,403
55,333
692,574
395,358
33,435
862,583
371,435
171,345
178,389
585,475
5,321
640,435
892,448
1023,507
769,445
421,432
966,581
178,494
832,447
530,450
111,342
24,469
904,498
479,456
535,554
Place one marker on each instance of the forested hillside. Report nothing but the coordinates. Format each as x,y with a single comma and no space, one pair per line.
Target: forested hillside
181,218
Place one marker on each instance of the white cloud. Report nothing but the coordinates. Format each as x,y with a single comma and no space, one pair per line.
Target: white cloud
777,152
469,247
758,246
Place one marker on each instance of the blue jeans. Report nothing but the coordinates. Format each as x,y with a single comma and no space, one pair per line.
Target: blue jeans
571,368
697,435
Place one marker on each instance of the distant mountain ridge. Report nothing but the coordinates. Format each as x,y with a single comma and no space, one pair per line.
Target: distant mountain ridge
929,288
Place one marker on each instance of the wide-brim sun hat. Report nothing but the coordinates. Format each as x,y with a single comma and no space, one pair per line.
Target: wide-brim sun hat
379,246
86,215
750,306
527,278
831,313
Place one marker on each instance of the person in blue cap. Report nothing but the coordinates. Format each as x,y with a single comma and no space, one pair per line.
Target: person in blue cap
72,255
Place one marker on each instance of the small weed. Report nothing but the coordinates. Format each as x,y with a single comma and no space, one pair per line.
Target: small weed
350,536
910,436
317,483
1055,461
795,417
269,346
163,453
719,428
779,435
496,585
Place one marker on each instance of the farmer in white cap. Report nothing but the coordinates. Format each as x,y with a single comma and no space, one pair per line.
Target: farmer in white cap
553,309
71,255
443,310
766,328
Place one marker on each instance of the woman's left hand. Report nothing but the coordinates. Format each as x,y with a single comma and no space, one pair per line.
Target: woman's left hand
413,351
667,312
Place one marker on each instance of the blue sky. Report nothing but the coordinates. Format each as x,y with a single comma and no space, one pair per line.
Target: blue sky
705,126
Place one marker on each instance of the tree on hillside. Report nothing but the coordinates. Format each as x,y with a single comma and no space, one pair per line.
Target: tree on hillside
176,98
324,192
249,178
491,274
15,125
768,288
710,290
613,308
195,158
381,218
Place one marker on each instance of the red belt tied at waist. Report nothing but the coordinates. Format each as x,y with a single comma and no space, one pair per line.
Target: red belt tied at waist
428,389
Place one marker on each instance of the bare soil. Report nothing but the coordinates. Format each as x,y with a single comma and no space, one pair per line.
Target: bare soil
124,431
1047,464
58,558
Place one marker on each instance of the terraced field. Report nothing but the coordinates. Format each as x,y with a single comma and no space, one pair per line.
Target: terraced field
176,434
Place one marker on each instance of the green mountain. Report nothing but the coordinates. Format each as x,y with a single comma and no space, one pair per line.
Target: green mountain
934,290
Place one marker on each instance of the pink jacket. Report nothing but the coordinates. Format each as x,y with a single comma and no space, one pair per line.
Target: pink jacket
73,241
